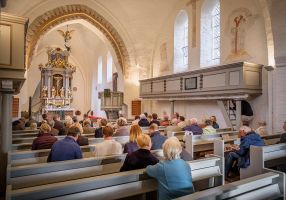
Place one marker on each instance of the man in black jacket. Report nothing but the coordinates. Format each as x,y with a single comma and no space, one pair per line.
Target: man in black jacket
59,125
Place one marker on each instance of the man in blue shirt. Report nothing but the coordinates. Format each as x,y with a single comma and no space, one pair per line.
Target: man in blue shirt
241,155
67,148
156,137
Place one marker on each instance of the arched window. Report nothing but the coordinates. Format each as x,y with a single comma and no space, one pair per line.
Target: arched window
99,70
109,67
181,44
210,33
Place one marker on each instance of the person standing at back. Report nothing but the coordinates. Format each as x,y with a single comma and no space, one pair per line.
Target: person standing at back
67,148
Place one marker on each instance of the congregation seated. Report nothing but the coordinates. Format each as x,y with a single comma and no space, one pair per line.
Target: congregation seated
45,138
122,129
214,122
142,157
154,119
53,131
173,127
194,127
87,127
109,146
143,122
18,124
31,120
173,174
156,138
182,122
136,120
132,146
67,148
59,125
239,158
209,129
165,121
98,132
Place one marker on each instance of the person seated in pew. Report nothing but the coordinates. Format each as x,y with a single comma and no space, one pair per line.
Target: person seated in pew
173,174
122,129
209,129
81,140
261,130
54,132
165,121
239,158
214,122
67,148
18,124
194,127
156,137
154,119
182,123
31,120
109,146
173,127
44,119
45,138
87,126
143,122
142,157
68,123
136,120
85,117
98,132
59,125
33,126
132,146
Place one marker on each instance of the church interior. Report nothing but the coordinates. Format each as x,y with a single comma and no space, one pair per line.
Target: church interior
142,99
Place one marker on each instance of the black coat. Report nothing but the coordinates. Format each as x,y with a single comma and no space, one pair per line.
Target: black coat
138,160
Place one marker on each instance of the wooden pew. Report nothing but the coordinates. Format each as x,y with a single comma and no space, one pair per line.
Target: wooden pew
270,185
45,173
28,145
32,136
264,157
114,186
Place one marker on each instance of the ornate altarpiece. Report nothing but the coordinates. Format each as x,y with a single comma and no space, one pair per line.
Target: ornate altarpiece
56,83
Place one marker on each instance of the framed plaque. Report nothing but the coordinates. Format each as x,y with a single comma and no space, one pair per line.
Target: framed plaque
191,83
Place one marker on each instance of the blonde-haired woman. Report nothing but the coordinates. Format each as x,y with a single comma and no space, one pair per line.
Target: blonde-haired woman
68,123
142,157
45,139
132,146
172,185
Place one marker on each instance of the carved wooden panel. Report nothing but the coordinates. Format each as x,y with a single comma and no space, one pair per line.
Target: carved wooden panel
15,107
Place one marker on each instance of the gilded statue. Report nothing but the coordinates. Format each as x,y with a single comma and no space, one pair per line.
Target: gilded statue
44,91
67,38
53,92
62,91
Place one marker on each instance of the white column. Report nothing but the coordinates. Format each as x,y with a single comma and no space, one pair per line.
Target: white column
49,85
6,136
172,108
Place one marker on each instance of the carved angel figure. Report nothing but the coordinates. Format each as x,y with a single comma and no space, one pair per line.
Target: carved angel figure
44,91
67,38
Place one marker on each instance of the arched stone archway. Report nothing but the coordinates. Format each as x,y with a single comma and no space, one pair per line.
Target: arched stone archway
65,13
